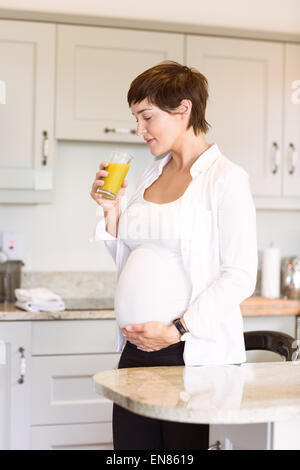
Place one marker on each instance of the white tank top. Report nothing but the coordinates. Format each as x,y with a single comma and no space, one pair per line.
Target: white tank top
153,285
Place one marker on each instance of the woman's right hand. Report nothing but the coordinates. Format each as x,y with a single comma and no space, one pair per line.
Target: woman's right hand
107,204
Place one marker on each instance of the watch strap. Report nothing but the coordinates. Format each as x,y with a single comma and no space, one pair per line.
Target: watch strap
179,326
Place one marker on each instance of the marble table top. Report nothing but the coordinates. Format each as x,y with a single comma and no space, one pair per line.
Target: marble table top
225,394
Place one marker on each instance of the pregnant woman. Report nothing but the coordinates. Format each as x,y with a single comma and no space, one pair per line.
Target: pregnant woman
184,246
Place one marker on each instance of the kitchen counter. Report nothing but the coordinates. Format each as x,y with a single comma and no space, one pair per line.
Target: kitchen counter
10,312
81,310
225,394
263,306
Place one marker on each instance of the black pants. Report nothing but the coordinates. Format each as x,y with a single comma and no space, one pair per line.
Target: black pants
135,432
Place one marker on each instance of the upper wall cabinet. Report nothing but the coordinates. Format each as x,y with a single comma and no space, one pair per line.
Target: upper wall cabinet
245,106
27,61
291,139
95,67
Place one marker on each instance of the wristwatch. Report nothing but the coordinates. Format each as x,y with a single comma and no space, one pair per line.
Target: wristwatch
183,332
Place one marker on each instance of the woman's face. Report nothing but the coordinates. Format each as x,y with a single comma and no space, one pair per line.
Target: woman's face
161,130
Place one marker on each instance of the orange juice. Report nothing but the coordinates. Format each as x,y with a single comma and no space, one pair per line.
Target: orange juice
113,181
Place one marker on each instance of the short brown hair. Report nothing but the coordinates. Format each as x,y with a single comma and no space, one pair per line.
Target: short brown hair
169,82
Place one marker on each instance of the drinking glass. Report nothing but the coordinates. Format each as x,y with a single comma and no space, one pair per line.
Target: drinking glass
118,166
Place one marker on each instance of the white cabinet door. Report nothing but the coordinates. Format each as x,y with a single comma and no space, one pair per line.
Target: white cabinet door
278,435
245,104
95,67
66,411
90,436
286,435
291,173
73,337
15,389
63,392
256,436
27,52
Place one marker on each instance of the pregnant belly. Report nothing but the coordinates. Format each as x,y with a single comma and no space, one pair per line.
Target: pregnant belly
153,286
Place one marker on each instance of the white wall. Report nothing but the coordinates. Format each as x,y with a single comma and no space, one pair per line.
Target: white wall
269,15
56,237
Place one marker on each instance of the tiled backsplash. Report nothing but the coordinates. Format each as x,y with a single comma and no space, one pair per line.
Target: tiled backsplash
78,289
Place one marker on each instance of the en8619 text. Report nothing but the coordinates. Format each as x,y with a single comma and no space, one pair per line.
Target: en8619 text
168,459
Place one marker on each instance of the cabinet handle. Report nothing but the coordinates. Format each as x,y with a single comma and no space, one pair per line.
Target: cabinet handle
293,158
2,353
216,446
119,130
22,366
276,158
45,148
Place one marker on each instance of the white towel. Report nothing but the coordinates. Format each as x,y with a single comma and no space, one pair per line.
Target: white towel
39,299
46,307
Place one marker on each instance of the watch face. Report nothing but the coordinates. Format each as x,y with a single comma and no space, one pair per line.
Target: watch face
179,326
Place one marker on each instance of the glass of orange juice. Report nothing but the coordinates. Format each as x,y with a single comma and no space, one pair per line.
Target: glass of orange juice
118,166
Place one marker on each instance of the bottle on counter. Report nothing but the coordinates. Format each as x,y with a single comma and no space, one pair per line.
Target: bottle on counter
270,275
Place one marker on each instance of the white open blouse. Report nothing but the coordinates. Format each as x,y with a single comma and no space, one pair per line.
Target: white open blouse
218,249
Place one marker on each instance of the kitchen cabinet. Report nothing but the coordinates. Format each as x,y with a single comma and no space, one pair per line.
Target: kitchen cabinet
245,80
56,406
95,67
65,355
246,107
27,52
278,435
15,377
72,437
291,136
255,436
253,105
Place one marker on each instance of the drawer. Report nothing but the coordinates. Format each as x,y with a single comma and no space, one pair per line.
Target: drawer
63,391
93,436
73,337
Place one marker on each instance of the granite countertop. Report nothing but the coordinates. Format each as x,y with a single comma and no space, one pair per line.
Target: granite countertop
225,394
10,312
103,308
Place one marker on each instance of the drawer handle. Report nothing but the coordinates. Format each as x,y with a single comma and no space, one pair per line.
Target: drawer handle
22,366
276,157
2,353
293,158
119,130
216,446
45,148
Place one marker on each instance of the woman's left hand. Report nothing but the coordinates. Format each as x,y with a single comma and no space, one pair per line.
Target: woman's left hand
152,335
